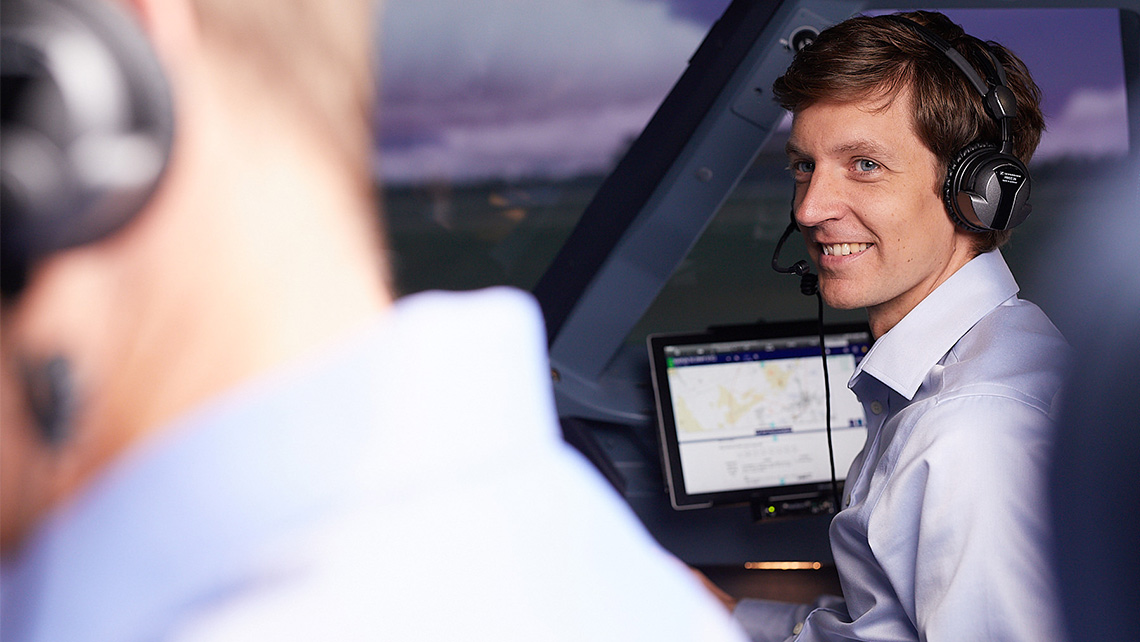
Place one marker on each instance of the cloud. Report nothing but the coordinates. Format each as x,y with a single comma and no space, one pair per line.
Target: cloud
1092,123
474,89
519,87
559,144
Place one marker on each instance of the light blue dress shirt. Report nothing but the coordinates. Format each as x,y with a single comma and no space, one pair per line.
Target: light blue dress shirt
944,532
409,484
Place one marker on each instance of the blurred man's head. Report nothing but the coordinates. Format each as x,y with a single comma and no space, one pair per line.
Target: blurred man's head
259,243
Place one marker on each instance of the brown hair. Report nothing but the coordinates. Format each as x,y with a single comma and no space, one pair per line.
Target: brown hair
864,57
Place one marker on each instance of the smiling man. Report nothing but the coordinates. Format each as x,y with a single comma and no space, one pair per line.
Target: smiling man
908,147
868,202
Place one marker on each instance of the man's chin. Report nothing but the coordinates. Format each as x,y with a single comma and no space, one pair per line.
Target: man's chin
839,299
839,302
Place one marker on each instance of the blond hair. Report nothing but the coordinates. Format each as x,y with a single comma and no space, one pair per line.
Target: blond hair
316,54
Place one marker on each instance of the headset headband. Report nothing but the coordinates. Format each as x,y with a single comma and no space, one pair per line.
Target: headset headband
999,100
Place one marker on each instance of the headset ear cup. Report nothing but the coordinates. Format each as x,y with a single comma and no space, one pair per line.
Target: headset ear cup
986,190
953,183
84,89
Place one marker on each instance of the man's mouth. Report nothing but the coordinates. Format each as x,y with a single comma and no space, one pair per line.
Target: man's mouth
844,249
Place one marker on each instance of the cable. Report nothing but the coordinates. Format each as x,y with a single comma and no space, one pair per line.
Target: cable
827,406
809,285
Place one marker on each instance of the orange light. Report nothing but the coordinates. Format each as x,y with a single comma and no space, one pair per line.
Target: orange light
783,566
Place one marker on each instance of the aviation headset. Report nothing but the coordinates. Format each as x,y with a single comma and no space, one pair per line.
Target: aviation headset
987,187
86,128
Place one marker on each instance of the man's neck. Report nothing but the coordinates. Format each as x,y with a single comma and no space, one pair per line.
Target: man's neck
887,315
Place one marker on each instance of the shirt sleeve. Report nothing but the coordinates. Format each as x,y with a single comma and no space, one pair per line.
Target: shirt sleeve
962,524
772,621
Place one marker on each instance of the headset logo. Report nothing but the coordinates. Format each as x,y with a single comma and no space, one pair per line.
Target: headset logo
1010,177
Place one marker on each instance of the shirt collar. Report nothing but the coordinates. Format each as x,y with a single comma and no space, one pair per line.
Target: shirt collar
903,356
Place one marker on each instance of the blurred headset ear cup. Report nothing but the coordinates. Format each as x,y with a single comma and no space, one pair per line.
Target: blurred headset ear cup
87,126
986,190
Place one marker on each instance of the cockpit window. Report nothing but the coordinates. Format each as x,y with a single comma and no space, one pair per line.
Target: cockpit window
499,121
498,124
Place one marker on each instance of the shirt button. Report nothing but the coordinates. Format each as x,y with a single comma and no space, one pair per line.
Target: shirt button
876,407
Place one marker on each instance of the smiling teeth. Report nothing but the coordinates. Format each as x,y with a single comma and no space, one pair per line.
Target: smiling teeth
843,249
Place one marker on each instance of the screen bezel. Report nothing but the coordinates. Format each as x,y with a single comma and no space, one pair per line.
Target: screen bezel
666,422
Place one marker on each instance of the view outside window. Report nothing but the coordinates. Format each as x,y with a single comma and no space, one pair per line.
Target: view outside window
499,120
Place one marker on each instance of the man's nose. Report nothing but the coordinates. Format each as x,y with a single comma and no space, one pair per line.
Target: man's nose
816,200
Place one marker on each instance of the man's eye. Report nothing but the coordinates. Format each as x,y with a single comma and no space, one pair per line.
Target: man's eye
804,167
864,165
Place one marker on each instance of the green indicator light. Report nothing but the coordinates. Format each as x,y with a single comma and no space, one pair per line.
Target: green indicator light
771,509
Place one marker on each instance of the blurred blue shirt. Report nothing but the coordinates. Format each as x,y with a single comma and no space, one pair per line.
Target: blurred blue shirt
944,534
410,484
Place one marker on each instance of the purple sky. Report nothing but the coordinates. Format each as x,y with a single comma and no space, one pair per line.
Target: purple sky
502,88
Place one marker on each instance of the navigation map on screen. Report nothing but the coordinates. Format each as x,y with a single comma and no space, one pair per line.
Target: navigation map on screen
750,413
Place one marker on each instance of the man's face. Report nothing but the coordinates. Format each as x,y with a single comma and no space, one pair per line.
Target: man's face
869,205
